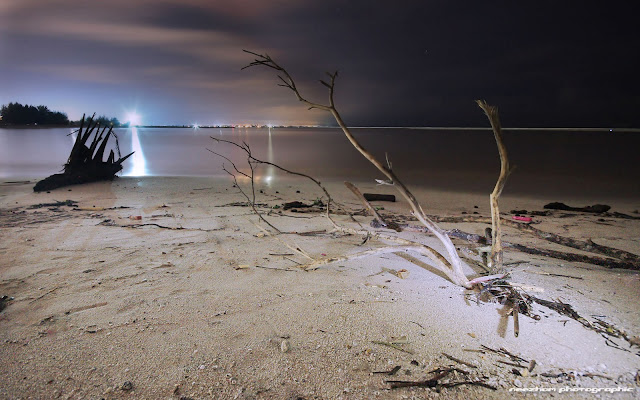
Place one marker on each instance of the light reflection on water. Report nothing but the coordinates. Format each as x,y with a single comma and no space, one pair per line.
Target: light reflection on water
138,162
271,170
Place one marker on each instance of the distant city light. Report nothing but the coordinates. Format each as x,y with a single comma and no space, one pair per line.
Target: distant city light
196,126
133,118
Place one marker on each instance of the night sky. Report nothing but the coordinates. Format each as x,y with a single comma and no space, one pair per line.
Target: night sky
403,63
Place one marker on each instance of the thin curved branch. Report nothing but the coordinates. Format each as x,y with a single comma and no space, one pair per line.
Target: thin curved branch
266,61
317,182
251,203
231,162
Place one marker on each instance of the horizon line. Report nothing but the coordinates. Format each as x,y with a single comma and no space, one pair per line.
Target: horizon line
460,128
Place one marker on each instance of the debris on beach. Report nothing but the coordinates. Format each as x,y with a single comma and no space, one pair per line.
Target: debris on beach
67,203
390,372
395,344
595,209
379,197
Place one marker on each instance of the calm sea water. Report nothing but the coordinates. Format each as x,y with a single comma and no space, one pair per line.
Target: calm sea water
569,162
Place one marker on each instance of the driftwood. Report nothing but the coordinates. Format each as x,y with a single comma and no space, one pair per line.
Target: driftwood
594,209
455,265
588,245
85,163
495,264
627,259
601,261
379,197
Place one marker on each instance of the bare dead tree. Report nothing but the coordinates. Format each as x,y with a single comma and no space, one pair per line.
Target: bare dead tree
455,265
496,262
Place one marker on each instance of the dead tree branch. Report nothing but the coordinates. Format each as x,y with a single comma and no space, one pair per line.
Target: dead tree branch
251,201
455,265
496,232
252,160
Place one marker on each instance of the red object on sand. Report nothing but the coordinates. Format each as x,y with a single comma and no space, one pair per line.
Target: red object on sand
524,219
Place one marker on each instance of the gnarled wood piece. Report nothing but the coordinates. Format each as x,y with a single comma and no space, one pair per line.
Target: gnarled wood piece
85,164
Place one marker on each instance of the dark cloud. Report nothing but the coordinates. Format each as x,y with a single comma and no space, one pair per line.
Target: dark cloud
418,63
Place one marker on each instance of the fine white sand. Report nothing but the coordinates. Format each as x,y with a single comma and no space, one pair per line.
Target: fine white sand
212,309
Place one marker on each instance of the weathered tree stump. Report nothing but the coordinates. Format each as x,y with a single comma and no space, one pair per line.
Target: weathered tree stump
85,163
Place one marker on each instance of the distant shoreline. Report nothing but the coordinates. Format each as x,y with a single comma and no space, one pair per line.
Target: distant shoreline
425,128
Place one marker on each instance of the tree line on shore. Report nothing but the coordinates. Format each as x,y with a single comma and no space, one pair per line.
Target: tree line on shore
18,114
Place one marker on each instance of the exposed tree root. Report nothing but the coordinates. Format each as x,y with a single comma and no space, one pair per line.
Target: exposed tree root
85,163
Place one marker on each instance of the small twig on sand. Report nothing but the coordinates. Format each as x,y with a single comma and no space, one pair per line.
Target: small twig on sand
109,222
452,358
391,372
393,346
505,353
45,294
278,269
511,364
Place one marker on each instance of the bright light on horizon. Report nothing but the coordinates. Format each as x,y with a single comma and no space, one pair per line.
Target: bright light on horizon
133,118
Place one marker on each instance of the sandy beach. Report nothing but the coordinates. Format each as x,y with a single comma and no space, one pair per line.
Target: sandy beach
163,287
